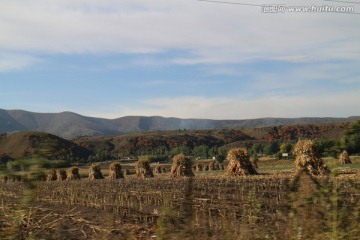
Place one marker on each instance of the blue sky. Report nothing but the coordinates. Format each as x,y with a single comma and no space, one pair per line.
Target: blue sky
179,58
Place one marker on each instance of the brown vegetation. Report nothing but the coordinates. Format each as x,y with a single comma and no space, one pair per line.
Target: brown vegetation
181,167
307,158
115,171
239,163
198,167
157,169
344,158
51,175
95,172
61,175
143,169
73,174
212,166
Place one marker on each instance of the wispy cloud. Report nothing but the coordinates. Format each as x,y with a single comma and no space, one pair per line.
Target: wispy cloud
211,33
10,62
341,104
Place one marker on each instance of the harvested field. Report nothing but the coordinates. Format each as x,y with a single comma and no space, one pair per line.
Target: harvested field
262,206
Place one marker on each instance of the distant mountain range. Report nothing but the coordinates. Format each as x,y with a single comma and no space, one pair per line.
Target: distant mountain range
70,125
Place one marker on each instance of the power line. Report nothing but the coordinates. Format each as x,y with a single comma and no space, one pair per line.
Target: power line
236,3
341,1
258,5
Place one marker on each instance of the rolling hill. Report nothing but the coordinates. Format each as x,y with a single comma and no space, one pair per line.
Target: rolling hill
70,125
20,145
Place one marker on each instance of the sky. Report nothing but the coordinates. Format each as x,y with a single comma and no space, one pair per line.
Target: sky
180,58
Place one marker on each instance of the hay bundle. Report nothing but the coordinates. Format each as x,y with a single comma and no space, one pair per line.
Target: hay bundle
74,174
212,166
115,171
95,172
181,167
199,167
308,159
222,167
239,163
61,175
217,166
157,169
4,179
51,176
344,158
254,160
143,169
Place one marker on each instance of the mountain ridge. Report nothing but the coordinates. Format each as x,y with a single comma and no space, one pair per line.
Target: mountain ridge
70,125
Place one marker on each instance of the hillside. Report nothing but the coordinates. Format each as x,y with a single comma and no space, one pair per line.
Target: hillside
70,125
27,144
163,142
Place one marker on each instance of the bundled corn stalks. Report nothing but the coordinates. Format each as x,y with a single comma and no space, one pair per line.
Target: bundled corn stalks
222,167
198,167
217,166
344,158
212,166
308,160
157,169
51,175
239,163
74,174
4,179
143,169
181,167
95,172
61,175
254,160
115,171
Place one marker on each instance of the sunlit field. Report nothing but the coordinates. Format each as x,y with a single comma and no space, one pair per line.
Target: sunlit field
275,204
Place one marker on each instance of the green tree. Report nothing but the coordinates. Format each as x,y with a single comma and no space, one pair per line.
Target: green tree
286,147
272,148
181,149
221,155
351,140
201,151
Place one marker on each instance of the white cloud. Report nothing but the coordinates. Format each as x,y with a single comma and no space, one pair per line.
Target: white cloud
211,33
340,104
9,62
